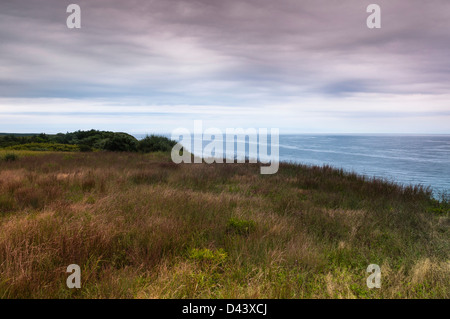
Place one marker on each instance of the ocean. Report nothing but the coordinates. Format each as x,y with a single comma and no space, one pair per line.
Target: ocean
404,159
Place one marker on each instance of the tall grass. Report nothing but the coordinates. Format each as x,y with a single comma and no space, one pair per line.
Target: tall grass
140,226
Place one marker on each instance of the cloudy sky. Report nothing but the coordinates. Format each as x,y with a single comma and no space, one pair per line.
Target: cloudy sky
302,66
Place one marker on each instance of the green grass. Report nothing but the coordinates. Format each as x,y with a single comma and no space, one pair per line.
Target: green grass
53,147
206,255
140,226
240,226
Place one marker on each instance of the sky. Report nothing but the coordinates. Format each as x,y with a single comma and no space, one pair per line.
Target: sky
303,66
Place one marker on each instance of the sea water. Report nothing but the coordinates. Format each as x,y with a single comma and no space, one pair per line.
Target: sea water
404,159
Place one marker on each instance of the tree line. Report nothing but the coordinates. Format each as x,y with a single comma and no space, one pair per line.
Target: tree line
88,141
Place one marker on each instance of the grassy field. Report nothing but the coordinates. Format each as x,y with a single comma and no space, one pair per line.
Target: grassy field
140,226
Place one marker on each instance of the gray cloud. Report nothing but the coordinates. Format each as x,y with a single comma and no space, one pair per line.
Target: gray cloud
234,52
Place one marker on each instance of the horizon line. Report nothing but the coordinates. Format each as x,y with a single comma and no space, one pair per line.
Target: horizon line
292,133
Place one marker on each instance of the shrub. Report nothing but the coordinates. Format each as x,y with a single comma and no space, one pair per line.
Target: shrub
155,143
85,148
10,157
121,142
86,141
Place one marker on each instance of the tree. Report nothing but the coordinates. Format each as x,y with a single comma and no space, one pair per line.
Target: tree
121,142
155,143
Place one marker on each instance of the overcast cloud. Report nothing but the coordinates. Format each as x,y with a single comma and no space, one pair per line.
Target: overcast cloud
150,66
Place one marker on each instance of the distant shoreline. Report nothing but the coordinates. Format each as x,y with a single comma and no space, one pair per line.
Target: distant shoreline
407,159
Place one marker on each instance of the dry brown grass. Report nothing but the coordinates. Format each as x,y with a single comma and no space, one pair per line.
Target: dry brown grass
130,220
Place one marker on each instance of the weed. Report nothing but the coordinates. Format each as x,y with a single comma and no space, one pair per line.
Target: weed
206,255
240,226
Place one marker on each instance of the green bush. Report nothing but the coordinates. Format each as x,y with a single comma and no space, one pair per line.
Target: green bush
85,148
155,143
121,142
86,141
10,157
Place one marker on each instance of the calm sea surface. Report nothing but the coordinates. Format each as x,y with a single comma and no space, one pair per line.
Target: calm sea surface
421,160
404,159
